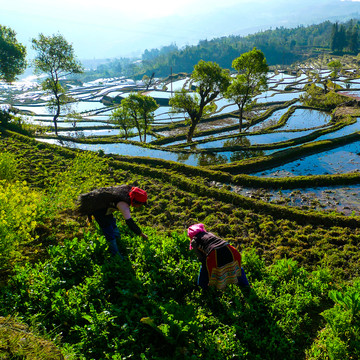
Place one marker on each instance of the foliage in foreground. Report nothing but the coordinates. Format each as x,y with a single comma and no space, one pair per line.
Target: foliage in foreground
149,307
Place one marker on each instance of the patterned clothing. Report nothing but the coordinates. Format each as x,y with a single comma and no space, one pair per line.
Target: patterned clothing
221,262
205,242
223,266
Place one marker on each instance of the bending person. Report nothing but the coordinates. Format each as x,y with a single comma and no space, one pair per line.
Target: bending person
220,262
101,203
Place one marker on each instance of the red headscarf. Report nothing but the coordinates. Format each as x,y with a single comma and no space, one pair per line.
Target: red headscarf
195,229
138,195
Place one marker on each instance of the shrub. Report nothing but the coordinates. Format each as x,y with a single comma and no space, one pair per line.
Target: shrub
8,167
253,264
19,214
341,337
5,117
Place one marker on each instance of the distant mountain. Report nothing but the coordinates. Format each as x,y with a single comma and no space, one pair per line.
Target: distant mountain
243,18
281,45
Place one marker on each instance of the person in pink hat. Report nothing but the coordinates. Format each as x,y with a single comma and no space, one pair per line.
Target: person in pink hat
101,203
220,262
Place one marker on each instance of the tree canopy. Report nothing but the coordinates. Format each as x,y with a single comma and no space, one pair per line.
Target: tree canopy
121,117
209,80
251,80
139,110
12,55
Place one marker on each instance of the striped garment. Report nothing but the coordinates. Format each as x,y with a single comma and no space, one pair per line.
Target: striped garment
223,266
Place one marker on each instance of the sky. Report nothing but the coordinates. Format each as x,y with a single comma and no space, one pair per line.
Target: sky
116,28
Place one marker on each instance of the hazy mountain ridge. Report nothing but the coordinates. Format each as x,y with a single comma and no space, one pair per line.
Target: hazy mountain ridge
250,20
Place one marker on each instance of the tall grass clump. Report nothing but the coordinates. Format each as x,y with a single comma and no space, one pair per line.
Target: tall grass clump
19,341
8,166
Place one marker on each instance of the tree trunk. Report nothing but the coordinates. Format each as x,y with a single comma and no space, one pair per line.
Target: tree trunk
139,131
145,127
137,125
56,116
55,124
240,117
191,131
325,87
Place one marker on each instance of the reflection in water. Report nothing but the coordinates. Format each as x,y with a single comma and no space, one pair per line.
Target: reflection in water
204,159
210,158
242,154
238,141
306,119
182,157
245,154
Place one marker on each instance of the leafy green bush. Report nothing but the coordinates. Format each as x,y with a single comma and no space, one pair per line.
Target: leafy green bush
5,117
255,266
149,306
341,336
315,96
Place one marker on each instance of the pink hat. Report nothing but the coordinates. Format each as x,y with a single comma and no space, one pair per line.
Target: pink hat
193,230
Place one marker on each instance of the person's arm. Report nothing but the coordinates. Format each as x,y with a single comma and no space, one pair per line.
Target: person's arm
198,252
124,208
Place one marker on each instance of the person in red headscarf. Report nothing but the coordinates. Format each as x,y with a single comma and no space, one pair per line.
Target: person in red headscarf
220,262
101,203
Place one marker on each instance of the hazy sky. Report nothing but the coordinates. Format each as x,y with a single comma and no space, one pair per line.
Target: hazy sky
114,28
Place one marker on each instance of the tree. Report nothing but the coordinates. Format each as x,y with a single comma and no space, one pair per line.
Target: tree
12,55
148,80
353,40
56,58
335,45
210,80
335,67
140,108
121,117
250,81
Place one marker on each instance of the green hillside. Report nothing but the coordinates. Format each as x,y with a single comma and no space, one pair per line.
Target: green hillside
58,277
281,46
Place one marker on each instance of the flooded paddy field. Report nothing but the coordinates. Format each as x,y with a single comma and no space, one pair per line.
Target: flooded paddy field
219,132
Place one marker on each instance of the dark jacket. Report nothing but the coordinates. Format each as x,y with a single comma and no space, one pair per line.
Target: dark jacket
205,242
103,198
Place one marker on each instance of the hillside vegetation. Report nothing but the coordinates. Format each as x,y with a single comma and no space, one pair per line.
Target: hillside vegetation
58,277
281,46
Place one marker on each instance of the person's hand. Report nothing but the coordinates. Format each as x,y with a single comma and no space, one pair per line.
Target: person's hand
144,236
